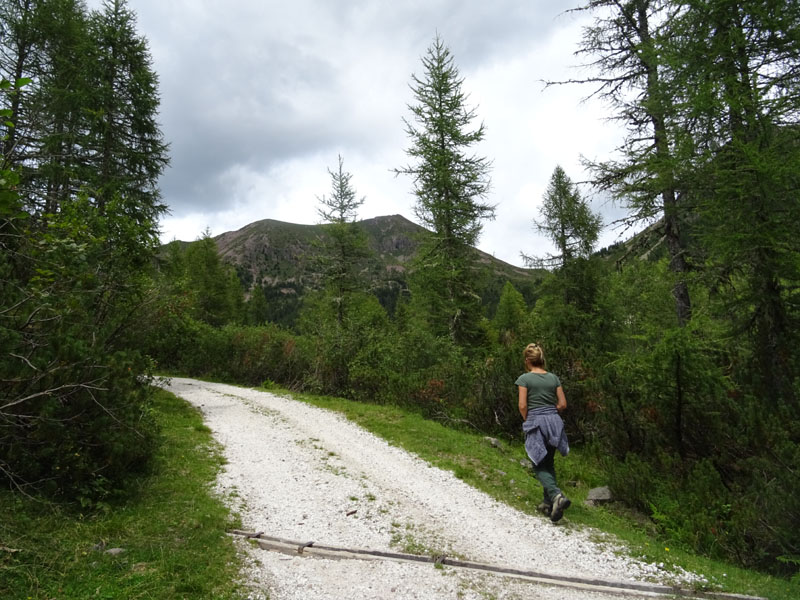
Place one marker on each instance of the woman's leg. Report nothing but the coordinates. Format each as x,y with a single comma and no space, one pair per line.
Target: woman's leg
546,474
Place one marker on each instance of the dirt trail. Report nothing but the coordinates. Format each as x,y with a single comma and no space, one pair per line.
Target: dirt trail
302,473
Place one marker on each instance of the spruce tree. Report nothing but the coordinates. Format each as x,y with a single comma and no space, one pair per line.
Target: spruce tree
217,297
125,144
76,264
511,312
451,186
20,57
336,316
59,101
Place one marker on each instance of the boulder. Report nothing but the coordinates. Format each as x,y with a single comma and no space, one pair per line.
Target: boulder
600,495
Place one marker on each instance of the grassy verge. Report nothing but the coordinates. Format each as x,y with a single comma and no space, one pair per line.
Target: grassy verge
172,531
497,469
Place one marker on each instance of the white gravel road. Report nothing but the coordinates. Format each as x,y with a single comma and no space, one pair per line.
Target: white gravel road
295,471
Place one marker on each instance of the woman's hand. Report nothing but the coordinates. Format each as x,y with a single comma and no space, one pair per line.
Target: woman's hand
561,404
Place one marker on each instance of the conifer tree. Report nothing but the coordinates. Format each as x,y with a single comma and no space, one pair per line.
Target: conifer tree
567,220
124,141
344,253
743,113
710,90
20,57
511,311
451,186
337,317
75,266
627,45
59,103
216,291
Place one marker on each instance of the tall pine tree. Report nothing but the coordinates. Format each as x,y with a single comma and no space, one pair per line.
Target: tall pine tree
451,186
567,220
75,264
743,113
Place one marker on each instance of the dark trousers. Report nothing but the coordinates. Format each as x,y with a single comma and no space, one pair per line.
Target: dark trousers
546,474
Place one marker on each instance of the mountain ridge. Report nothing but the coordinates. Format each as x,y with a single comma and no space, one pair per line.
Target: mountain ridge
277,256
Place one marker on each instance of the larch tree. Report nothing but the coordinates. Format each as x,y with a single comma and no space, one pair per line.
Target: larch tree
710,93
626,45
743,114
335,318
344,251
451,185
567,220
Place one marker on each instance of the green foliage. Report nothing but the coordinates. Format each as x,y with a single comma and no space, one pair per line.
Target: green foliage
340,333
744,107
129,153
344,250
170,528
78,230
636,74
511,311
75,401
216,293
88,121
712,149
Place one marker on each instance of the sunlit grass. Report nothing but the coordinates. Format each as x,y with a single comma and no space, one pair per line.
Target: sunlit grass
502,471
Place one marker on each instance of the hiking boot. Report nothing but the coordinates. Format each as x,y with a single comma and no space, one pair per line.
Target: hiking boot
560,504
545,508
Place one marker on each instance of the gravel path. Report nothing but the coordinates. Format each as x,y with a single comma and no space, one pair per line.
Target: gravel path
294,471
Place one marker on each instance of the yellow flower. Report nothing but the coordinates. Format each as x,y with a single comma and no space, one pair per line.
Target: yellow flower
667,549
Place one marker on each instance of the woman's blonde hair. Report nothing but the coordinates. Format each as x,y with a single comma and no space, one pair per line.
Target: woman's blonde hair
533,355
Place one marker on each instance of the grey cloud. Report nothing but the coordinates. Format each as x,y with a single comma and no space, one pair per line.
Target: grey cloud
248,85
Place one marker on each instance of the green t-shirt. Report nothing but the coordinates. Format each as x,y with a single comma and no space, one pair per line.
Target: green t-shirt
541,388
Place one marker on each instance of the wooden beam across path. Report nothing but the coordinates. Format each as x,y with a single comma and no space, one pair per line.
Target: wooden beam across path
636,588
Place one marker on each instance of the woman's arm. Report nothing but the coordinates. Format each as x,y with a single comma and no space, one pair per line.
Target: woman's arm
523,401
562,399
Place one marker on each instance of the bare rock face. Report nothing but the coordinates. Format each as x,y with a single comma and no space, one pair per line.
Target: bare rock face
600,495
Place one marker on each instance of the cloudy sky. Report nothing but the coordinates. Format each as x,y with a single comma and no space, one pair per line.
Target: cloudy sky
259,97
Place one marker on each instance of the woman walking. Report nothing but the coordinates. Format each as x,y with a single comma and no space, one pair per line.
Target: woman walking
541,399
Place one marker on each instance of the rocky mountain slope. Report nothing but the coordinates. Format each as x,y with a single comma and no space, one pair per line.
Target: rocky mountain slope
277,257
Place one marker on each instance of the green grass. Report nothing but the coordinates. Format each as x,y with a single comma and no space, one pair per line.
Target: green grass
500,473
172,531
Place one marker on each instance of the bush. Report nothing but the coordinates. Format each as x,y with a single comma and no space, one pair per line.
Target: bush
74,405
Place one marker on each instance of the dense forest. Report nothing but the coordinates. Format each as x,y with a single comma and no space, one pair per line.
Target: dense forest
677,350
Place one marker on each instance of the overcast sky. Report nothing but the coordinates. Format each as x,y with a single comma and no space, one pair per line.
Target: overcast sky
259,97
